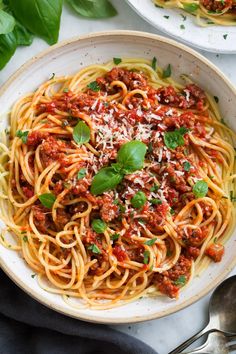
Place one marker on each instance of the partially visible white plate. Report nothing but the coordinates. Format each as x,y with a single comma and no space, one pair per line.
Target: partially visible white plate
219,39
67,58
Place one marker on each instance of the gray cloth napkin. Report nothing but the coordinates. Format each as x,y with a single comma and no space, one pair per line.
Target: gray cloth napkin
27,327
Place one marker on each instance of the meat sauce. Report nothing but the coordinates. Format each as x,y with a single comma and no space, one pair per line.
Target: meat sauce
165,182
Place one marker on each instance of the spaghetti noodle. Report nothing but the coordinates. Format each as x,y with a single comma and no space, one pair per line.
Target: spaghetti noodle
207,12
117,182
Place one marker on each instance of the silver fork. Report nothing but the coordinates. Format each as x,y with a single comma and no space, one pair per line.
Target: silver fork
217,343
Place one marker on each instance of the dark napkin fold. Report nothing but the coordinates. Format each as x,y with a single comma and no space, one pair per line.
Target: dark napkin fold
27,327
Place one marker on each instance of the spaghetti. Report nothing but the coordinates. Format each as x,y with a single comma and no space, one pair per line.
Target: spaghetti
117,182
207,12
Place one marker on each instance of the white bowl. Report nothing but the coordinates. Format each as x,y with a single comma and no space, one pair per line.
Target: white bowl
67,58
218,39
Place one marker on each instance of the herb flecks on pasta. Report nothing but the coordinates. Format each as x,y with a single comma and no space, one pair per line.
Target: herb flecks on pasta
117,182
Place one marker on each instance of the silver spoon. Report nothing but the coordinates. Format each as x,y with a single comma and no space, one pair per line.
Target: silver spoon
222,313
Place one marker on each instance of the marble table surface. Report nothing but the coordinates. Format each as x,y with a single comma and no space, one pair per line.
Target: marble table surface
166,333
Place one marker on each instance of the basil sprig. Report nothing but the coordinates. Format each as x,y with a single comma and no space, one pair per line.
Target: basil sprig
99,226
138,200
47,199
7,22
200,189
93,8
81,133
174,139
20,20
130,158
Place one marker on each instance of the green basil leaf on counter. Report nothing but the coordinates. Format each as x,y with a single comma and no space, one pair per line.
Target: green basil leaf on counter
41,17
7,22
8,46
93,8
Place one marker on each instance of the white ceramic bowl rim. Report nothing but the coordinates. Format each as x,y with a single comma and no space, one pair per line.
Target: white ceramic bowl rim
72,312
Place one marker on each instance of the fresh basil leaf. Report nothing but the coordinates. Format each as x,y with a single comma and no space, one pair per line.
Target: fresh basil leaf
23,36
151,242
138,200
81,174
146,255
181,281
47,199
174,139
131,156
94,248
105,180
154,188
167,72
94,86
81,133
200,189
154,63
22,135
156,201
7,22
187,166
117,61
99,226
190,7
8,46
41,17
93,8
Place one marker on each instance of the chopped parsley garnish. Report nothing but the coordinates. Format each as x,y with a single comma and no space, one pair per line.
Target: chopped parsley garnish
66,90
25,239
183,17
200,189
175,138
150,148
22,135
216,99
158,6
182,27
167,72
94,86
146,255
99,226
94,248
181,281
33,275
154,188
138,200
117,61
150,242
156,201
225,36
154,63
172,211
115,237
168,253
167,17
52,76
187,166
81,174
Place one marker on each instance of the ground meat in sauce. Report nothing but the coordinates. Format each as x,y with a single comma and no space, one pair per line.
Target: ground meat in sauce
215,5
168,282
215,251
165,178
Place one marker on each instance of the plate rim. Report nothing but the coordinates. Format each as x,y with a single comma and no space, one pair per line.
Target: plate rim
71,312
178,37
